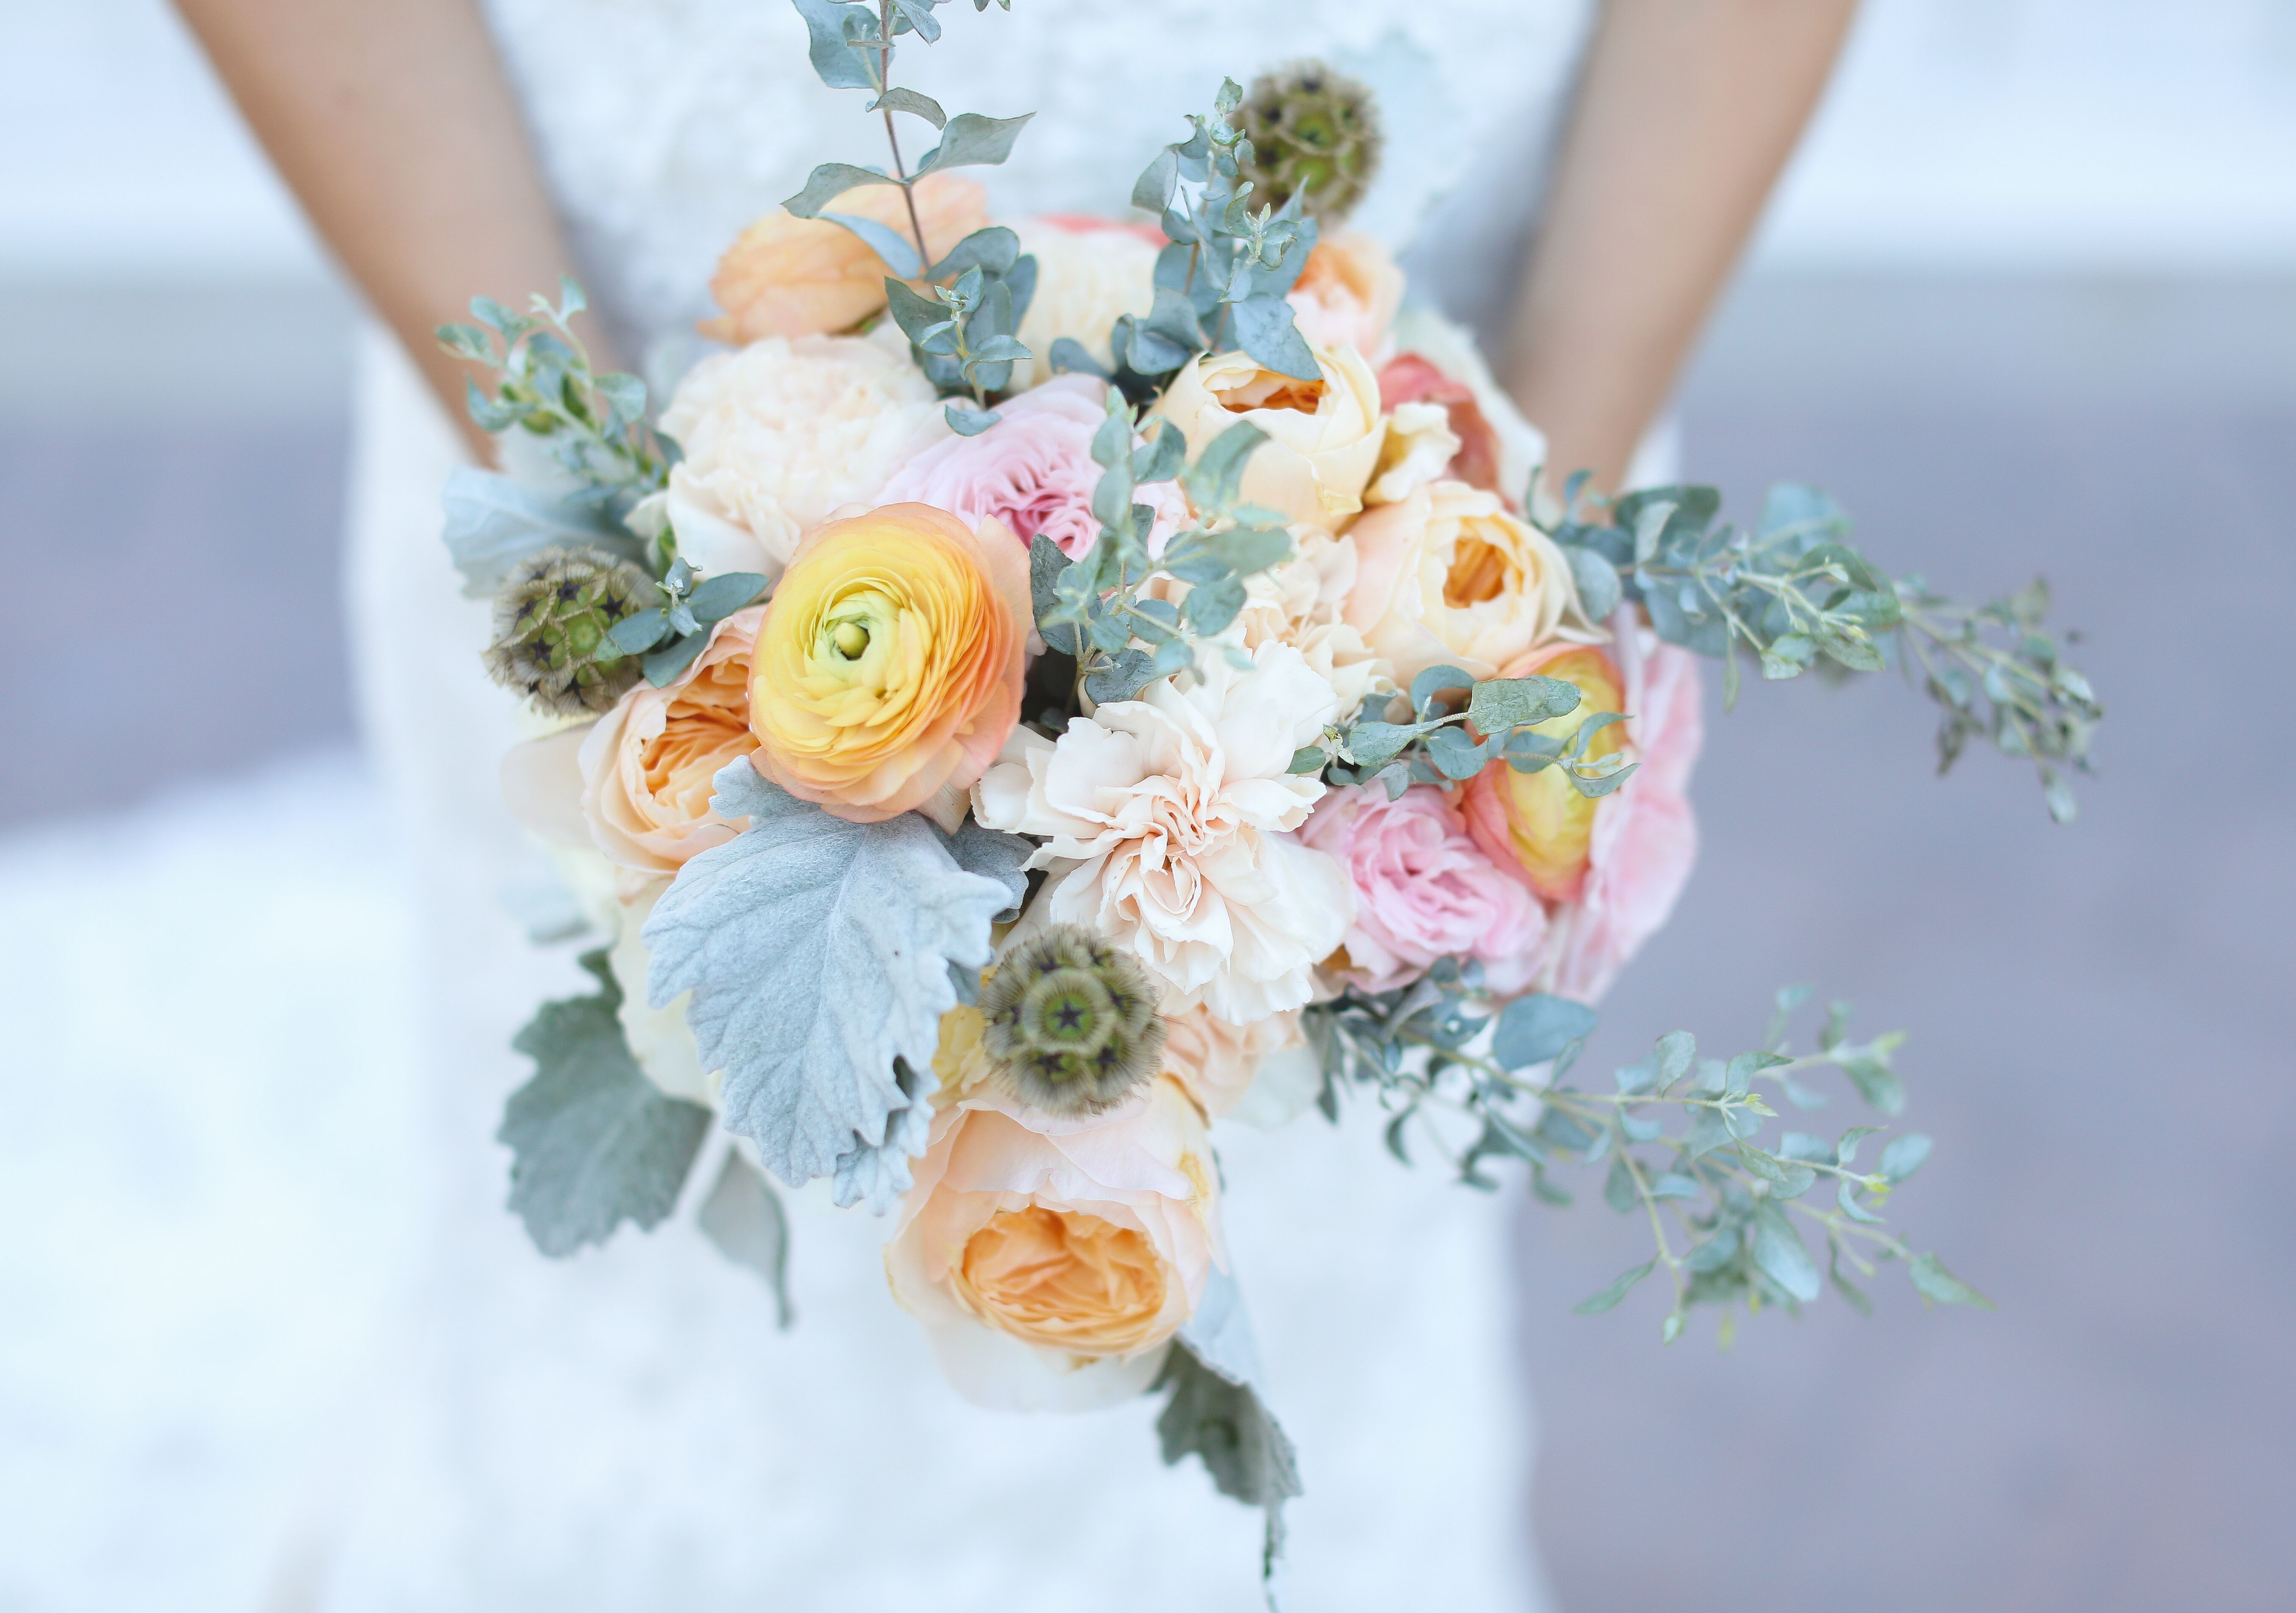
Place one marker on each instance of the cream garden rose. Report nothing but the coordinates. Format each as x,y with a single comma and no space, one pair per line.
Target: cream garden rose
1051,1261
779,435
1089,273
1167,821
1448,577
1324,436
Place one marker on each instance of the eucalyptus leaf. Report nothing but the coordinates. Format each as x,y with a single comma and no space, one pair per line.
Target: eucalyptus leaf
830,181
1533,1029
720,596
993,248
972,141
1213,481
1500,704
1069,356
841,67
912,104
1904,1156
1610,1296
1940,1285
1264,329
818,951
1780,1253
900,253
674,658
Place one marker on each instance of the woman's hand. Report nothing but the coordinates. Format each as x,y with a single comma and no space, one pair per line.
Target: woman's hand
1686,111
396,129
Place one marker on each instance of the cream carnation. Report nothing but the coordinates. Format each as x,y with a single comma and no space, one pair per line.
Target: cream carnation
1166,822
1089,272
1324,434
1448,575
781,434
1051,1261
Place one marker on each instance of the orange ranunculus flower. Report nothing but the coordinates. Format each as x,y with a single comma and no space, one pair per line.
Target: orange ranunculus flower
888,672
790,276
1534,825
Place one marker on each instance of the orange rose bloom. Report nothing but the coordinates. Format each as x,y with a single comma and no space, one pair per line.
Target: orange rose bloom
888,672
1534,825
1065,1278
790,276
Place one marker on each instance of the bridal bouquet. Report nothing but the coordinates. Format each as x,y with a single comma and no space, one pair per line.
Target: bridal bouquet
1046,690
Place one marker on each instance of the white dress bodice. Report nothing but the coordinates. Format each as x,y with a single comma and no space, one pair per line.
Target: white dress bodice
665,125
627,1428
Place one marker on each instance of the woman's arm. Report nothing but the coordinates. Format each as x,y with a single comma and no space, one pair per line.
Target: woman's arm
1686,111
394,126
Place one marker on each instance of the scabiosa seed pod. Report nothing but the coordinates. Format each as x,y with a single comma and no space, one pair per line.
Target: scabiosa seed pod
550,621
1312,130
1069,1023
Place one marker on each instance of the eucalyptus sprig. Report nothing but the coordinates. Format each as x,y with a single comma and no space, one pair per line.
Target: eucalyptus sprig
1434,744
594,425
1792,590
670,636
1093,609
1727,1208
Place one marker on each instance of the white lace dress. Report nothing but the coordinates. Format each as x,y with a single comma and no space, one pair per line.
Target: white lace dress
627,1430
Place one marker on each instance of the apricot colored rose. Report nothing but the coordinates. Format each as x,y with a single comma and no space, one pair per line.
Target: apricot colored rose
1065,1278
1324,436
790,276
1534,825
888,671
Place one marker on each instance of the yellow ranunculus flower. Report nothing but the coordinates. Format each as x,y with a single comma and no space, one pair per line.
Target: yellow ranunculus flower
888,671
1534,825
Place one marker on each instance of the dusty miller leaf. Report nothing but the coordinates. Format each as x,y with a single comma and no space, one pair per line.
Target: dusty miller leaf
1217,1411
818,951
743,1217
493,522
594,1143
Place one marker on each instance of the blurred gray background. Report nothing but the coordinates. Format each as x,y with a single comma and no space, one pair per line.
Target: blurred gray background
2027,302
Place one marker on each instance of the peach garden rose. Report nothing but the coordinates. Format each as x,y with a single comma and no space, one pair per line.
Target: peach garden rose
888,671
1324,434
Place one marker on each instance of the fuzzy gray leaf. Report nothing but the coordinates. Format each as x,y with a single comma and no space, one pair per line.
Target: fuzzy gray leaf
818,951
1217,1411
494,523
594,1143
997,857
743,1217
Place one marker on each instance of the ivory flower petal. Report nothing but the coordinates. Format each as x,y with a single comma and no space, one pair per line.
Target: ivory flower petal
1089,272
1324,436
1167,821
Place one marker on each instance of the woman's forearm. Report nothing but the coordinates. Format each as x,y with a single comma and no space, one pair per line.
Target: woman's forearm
1686,111
394,126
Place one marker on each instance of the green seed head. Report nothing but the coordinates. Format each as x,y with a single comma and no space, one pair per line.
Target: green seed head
1070,1024
551,621
1313,131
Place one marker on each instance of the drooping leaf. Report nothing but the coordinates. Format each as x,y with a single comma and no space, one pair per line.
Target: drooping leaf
1264,328
912,104
493,522
1938,1284
1780,1253
1610,1296
818,951
900,253
1217,1412
594,1143
743,1216
993,248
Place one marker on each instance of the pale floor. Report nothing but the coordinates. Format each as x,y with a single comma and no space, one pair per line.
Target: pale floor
2095,1046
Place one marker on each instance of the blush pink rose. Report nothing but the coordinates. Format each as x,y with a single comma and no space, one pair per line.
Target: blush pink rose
1645,840
1423,890
1033,470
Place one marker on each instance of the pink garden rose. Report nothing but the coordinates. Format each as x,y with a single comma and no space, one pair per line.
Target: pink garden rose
1423,890
1033,470
1645,839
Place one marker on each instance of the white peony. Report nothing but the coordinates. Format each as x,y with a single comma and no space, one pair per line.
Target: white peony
781,433
1167,820
1088,273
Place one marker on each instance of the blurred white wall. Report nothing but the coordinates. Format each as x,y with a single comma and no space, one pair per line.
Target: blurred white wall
2048,135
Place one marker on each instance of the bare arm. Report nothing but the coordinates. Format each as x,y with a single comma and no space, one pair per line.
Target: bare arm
396,129
1687,112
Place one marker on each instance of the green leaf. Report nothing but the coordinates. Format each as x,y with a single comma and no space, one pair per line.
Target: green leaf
900,253
1123,677
1070,356
1151,193
1535,1029
1617,1291
1877,1084
1433,682
1596,580
719,596
1904,1156
966,421
1940,1285
1264,329
912,104
1308,758
1849,1290
839,64
674,658
1161,459
972,141
1218,1414
830,181
993,249
1781,1255
916,314
1373,744
494,523
1213,481
743,1216
1674,1184
636,635
1845,1147
1454,754
1211,606
1501,704
594,1143
1394,1133
1619,1187
818,951
1675,1051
